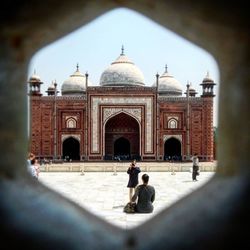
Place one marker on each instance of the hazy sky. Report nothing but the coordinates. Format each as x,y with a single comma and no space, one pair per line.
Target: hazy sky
150,46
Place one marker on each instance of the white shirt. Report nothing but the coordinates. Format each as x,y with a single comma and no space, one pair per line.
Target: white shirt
195,160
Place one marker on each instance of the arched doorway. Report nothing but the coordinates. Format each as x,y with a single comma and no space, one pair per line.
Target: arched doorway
122,138
172,149
71,149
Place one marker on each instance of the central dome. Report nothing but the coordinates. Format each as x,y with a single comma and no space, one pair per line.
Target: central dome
122,72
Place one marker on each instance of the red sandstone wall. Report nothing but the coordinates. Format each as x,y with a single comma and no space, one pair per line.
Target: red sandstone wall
42,124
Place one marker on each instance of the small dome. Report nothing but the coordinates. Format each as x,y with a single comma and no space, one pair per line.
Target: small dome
207,79
35,78
52,90
192,91
52,86
75,84
122,72
191,88
168,85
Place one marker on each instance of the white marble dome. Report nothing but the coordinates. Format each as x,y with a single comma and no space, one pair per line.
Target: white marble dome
168,85
122,72
75,84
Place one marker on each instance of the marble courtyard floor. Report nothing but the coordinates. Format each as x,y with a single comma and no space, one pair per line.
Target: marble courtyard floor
105,194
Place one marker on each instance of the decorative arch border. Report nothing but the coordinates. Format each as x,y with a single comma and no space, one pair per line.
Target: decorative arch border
146,101
75,136
166,137
170,120
71,119
109,113
178,137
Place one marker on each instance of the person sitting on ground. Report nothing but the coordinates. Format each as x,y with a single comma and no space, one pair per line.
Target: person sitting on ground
32,169
146,196
30,157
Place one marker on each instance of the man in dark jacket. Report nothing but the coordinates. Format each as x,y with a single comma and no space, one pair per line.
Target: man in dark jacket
133,172
146,196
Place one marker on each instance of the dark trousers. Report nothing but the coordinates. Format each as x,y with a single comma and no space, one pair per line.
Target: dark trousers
195,172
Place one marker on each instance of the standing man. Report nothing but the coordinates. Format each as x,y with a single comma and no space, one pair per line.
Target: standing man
133,172
195,167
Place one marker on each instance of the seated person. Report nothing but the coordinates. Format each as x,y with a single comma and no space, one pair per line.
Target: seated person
146,196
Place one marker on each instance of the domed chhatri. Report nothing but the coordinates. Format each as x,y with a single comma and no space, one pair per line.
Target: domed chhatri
52,90
207,78
168,85
207,86
190,89
75,84
122,72
35,84
35,77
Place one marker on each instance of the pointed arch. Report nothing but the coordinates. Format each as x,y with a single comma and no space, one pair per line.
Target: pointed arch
71,149
172,149
71,123
121,125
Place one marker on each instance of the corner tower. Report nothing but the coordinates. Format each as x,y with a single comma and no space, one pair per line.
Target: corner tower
35,85
207,86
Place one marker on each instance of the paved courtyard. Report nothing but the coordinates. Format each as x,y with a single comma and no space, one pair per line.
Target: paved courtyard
105,194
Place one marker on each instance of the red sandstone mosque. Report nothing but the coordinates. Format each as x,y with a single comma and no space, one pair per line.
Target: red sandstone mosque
121,118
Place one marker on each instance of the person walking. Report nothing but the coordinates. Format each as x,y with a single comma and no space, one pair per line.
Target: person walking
145,196
133,172
195,167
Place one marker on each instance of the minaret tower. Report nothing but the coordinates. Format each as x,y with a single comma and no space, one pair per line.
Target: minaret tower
35,85
207,86
208,110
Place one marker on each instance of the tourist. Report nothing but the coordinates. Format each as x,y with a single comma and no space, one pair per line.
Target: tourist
32,168
133,172
30,157
195,172
37,167
146,196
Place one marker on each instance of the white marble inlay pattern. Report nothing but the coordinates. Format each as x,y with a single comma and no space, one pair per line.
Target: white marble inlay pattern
75,136
71,116
146,101
108,112
173,117
166,137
